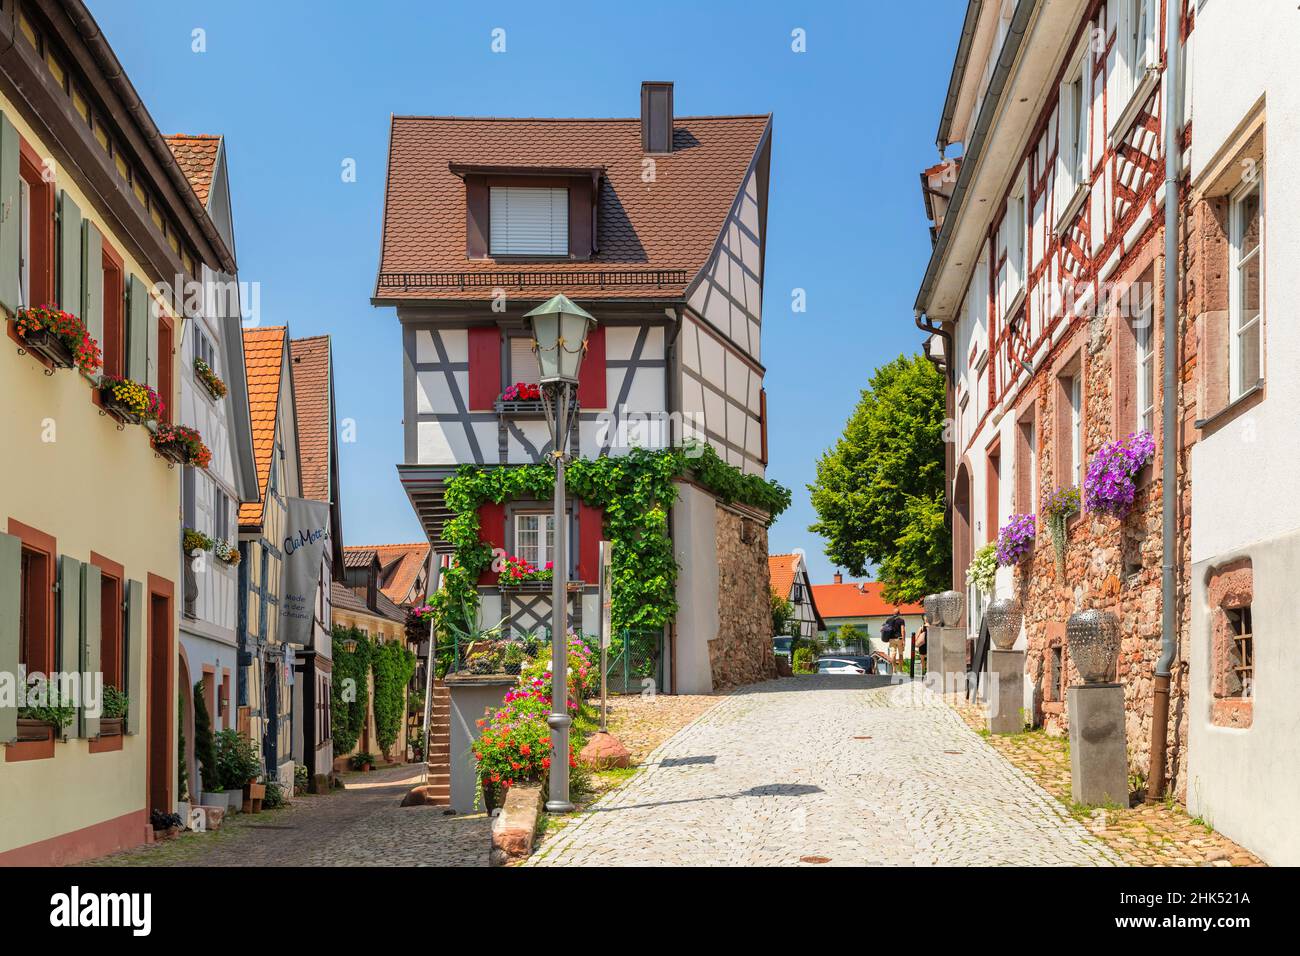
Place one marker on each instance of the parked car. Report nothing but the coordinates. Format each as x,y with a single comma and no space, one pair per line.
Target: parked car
844,665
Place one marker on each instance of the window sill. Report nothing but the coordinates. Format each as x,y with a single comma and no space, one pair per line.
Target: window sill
1073,207
1128,116
1232,409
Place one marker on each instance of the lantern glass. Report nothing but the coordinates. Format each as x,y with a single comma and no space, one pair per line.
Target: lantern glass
560,329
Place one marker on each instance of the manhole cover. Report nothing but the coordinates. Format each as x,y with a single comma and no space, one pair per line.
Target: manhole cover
814,859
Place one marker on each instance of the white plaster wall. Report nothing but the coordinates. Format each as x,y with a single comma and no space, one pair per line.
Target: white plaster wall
1243,475
695,547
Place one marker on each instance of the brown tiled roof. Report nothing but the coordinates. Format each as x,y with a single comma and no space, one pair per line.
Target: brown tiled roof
342,596
670,223
400,565
263,360
358,557
310,365
197,158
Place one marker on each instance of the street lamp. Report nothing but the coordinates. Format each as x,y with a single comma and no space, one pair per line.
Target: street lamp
560,329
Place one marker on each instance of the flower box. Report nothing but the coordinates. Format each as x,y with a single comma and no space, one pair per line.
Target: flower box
129,401
47,345
57,337
181,445
30,729
111,726
520,409
209,379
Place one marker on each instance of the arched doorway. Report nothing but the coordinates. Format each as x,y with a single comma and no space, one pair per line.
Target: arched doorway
962,547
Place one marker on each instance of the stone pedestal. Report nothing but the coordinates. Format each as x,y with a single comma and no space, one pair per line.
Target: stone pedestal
1006,692
947,660
472,697
1098,755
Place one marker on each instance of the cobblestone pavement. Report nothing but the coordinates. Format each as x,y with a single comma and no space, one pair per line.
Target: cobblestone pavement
1160,834
826,769
362,825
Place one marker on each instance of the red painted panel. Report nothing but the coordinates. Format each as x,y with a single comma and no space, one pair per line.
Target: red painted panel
591,527
484,367
591,377
492,532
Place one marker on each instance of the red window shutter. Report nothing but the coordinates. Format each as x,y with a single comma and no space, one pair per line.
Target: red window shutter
591,527
484,368
591,377
491,531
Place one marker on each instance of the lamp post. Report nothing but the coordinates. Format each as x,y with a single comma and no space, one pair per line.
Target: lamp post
560,329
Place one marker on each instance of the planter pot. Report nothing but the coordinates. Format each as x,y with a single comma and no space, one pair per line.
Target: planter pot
494,795
951,604
30,730
207,799
48,346
931,605
117,409
234,800
183,808
1004,616
111,726
1094,639
172,453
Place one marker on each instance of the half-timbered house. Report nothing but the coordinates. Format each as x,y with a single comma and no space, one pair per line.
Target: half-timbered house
655,225
1043,295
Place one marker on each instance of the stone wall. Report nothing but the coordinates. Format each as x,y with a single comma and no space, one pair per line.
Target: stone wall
741,653
1110,564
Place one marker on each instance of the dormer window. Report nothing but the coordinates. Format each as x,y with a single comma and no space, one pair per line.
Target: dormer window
529,221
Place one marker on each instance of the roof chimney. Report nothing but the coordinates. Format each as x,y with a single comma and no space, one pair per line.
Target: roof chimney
656,117
839,578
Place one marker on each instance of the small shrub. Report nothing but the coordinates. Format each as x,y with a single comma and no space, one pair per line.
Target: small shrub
274,797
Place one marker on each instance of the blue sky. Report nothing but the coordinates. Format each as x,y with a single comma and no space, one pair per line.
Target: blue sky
297,88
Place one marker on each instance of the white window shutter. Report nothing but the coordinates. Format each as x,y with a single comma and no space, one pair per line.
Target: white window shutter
529,221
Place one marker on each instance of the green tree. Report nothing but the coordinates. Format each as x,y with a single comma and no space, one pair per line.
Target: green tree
205,750
879,493
848,635
782,615
349,688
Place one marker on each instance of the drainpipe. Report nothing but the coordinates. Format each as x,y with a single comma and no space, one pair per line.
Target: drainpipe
1168,411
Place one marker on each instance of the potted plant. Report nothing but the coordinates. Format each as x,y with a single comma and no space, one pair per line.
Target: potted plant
203,372
58,337
238,765
362,760
181,445
192,540
129,400
983,570
1058,508
113,712
43,721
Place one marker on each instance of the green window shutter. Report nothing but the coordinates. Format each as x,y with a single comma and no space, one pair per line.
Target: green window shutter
134,657
91,637
10,240
151,349
92,280
11,550
69,253
69,621
137,328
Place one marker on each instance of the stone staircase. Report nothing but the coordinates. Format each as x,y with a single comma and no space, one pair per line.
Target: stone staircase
439,758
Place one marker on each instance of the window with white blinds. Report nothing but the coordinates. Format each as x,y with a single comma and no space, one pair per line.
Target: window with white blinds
523,361
529,221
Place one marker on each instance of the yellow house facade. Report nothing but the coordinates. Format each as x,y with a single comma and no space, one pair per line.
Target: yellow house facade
96,221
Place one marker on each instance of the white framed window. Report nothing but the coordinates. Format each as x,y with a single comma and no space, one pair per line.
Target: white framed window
1075,388
535,538
1017,246
528,221
1139,49
24,244
1244,288
1144,364
1074,108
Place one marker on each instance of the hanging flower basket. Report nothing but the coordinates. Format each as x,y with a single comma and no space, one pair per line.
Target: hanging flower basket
1058,508
215,386
1109,487
983,570
226,552
1016,539
182,445
58,337
129,400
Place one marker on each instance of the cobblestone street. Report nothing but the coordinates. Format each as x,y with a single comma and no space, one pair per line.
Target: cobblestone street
360,826
826,770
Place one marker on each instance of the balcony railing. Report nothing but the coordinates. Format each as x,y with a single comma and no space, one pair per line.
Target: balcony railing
531,279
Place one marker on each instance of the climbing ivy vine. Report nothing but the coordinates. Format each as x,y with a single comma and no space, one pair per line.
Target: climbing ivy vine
393,664
634,490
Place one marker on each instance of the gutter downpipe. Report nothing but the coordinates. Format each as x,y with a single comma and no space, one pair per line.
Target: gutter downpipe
1168,411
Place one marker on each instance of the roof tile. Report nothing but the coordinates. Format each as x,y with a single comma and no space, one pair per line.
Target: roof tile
857,600
263,361
197,158
310,368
